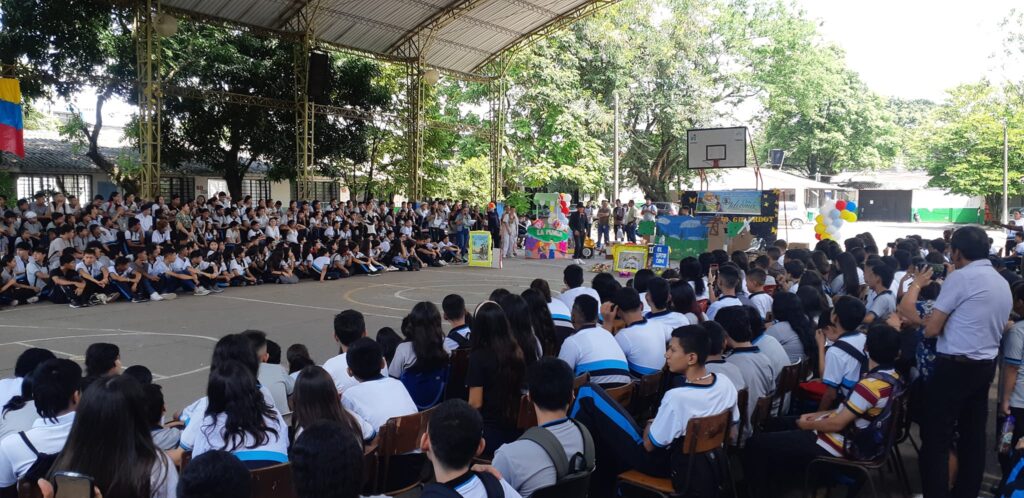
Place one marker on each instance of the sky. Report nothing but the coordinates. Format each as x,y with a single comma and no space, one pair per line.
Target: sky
916,48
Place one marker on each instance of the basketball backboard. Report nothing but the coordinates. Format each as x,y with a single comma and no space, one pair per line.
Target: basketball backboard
711,148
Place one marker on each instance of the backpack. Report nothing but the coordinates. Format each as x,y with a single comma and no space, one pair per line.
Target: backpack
461,340
869,443
426,388
1014,486
855,353
491,485
564,467
41,466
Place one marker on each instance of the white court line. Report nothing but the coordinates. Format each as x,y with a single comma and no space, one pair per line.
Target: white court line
70,356
304,306
113,333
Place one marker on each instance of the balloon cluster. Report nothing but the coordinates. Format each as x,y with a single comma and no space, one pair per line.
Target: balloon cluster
832,218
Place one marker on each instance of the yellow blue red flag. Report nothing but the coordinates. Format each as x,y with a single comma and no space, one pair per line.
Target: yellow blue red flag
12,138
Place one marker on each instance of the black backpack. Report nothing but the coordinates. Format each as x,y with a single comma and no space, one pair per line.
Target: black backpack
491,484
461,340
855,353
869,443
41,467
581,463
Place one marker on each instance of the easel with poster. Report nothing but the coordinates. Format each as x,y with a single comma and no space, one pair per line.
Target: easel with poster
481,250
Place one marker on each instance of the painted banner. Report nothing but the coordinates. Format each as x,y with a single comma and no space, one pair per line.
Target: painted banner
692,235
740,202
629,258
12,138
480,249
659,256
547,236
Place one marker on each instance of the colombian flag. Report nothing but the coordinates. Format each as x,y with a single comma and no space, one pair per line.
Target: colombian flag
12,137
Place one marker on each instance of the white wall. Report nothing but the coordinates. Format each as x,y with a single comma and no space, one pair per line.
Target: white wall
281,191
938,198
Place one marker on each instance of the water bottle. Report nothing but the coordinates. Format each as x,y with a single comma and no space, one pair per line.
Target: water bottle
1006,435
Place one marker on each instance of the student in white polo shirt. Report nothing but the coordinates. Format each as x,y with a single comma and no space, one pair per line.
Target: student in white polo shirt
642,342
759,299
728,281
881,301
26,363
451,442
592,349
238,419
845,360
659,295
55,390
560,313
454,308
572,276
349,325
376,398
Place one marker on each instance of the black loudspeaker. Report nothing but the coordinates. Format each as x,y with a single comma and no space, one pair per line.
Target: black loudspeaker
319,65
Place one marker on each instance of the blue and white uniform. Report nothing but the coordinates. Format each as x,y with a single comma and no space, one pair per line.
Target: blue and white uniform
593,350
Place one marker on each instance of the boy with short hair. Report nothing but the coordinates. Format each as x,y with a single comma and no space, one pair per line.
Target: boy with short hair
349,326
78,293
659,293
592,349
759,299
728,282
130,283
96,276
844,359
641,341
881,302
376,397
454,308
177,273
452,440
756,368
716,363
572,276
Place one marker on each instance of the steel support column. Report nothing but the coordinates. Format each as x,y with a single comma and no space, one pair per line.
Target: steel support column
305,109
148,57
412,54
498,89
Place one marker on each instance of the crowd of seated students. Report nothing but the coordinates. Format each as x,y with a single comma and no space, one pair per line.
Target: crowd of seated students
120,247
714,327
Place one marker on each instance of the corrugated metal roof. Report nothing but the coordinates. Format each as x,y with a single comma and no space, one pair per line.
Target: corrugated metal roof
460,44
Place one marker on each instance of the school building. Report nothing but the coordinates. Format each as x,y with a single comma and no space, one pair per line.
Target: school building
905,196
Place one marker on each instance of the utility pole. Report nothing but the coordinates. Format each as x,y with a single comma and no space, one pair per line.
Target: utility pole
615,152
1006,172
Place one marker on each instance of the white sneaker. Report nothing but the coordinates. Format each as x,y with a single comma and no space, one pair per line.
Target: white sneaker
156,297
169,296
443,262
13,303
201,291
32,300
392,268
100,298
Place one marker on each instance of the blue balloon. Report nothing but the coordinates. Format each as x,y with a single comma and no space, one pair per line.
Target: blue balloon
851,206
834,214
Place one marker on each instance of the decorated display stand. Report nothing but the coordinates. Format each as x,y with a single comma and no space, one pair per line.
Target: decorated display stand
548,235
481,249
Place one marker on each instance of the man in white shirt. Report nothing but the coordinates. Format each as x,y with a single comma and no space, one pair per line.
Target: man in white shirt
56,395
572,276
349,326
1015,225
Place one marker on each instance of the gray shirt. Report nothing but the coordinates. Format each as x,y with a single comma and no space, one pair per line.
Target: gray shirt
788,338
978,302
882,304
757,375
276,379
1013,355
727,370
527,467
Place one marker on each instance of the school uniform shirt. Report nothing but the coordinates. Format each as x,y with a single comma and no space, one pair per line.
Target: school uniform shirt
210,437
757,375
9,388
94,269
838,284
161,237
560,313
237,267
16,421
181,265
159,267
57,247
276,380
643,343
146,220
722,302
378,400
727,370
788,338
762,302
867,400
682,403
338,368
569,296
32,270
405,358
1012,350
47,435
163,478
842,371
703,296
594,350
320,263
469,485
671,320
527,467
450,344
771,348
881,304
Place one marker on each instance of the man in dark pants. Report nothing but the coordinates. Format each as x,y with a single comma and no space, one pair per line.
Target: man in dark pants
968,319
580,226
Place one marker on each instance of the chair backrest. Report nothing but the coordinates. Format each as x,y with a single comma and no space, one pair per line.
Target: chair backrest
456,387
623,394
527,417
762,410
577,486
742,398
789,379
402,434
273,482
650,385
29,489
579,382
706,433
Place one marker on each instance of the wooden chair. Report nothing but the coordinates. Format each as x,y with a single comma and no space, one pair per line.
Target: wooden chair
703,434
398,436
762,411
579,382
456,387
742,398
186,458
29,489
623,394
527,416
571,487
789,382
648,393
273,482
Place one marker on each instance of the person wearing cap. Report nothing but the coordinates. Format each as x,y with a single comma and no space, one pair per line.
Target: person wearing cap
580,226
32,224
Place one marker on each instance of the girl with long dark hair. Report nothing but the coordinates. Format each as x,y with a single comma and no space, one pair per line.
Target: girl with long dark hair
110,441
543,324
692,271
316,399
847,277
495,375
423,350
684,300
521,324
238,419
792,328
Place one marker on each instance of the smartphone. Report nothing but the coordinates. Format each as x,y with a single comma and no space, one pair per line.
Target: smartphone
938,271
713,270
72,485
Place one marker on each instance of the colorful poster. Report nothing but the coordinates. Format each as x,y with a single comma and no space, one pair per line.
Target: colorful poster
739,202
480,245
659,256
629,258
547,237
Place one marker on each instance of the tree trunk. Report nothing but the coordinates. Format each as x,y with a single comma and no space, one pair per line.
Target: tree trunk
234,171
126,184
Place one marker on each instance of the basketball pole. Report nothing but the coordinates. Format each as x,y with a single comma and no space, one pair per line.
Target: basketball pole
615,146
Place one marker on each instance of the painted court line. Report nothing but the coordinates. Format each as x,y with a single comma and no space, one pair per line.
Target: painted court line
306,306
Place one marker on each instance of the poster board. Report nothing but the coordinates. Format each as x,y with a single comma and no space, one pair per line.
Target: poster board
629,258
547,236
481,251
659,257
711,227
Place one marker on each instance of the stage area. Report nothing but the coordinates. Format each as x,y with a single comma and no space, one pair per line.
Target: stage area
175,338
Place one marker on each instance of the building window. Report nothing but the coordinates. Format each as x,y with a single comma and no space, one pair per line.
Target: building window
184,187
76,185
318,191
258,189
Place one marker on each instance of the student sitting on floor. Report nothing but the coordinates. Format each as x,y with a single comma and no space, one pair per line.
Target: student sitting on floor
526,464
622,444
774,457
451,442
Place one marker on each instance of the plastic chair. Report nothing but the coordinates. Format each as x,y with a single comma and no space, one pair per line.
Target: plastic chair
398,436
703,434
273,482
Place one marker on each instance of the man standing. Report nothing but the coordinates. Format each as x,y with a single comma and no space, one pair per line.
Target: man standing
604,214
461,225
968,318
618,214
494,225
630,221
580,225
1015,225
